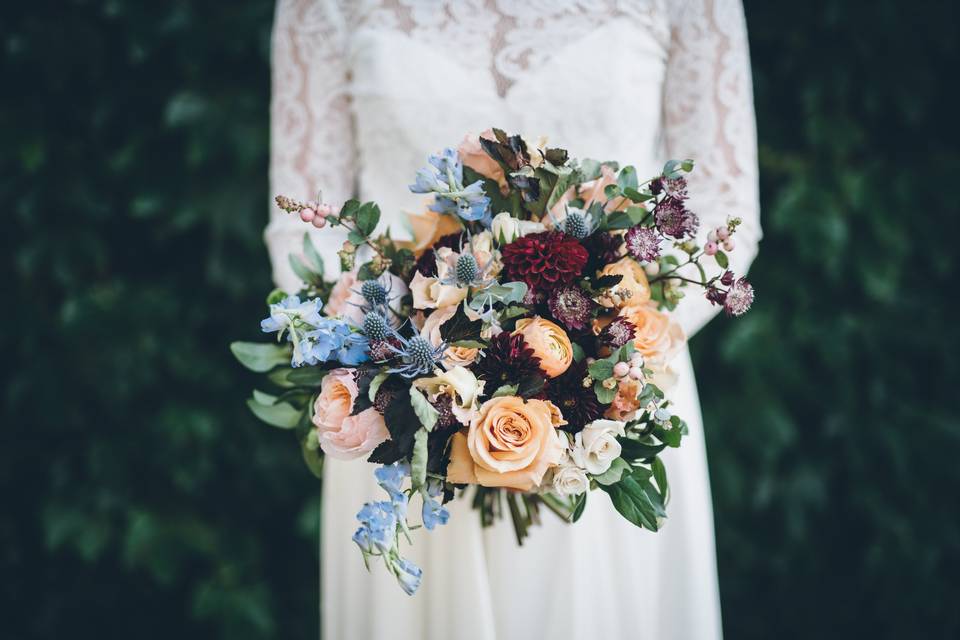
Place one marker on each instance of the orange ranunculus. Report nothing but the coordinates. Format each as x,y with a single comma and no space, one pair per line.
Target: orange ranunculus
549,343
633,289
510,443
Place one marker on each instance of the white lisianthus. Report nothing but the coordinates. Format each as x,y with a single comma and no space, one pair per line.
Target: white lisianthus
569,479
508,228
596,447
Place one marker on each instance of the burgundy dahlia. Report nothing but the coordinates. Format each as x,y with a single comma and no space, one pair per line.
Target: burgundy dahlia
571,306
673,219
617,333
508,360
739,298
544,260
578,404
604,249
643,243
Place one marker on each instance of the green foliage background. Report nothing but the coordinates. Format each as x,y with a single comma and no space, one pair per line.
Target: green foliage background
139,496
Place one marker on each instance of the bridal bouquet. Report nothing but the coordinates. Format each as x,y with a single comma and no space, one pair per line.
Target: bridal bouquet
519,345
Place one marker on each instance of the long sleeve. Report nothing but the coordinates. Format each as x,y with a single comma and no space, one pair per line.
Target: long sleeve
708,116
311,138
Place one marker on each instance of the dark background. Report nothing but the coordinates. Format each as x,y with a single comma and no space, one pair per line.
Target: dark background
139,497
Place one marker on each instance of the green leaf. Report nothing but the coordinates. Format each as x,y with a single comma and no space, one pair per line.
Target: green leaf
261,357
617,468
356,237
636,450
578,353
632,501
505,390
469,344
721,259
312,254
306,275
375,384
637,196
367,218
604,395
312,454
349,209
418,461
619,220
279,377
280,415
307,376
579,507
627,178
264,398
424,410
660,478
600,370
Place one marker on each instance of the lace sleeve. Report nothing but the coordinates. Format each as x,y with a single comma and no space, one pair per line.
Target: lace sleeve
311,145
708,116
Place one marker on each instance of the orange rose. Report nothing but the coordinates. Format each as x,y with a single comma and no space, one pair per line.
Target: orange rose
633,288
510,443
549,343
656,337
428,227
472,155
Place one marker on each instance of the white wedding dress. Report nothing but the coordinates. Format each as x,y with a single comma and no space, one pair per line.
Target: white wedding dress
362,93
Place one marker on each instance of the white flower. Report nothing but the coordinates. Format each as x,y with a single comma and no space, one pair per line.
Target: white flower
509,228
569,480
596,447
460,384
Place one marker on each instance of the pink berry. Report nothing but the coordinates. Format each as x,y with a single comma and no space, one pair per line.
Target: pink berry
324,210
710,248
723,233
712,236
621,369
319,222
636,373
728,244
307,215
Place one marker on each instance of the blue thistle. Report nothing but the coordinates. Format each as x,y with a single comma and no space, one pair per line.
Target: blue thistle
418,355
375,326
576,225
467,269
374,292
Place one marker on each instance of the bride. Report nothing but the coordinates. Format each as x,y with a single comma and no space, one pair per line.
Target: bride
363,91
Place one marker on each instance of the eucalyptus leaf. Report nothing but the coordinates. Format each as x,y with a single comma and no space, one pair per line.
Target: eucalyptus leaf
604,395
280,415
375,384
505,390
617,468
600,370
424,410
627,178
418,461
261,357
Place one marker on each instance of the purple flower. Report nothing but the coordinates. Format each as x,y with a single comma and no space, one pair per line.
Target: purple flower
643,243
727,278
617,333
739,298
716,295
673,219
571,306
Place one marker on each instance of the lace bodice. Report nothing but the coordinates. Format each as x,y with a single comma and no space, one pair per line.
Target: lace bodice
364,90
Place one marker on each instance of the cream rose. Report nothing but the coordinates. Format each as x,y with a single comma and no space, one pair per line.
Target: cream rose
452,356
508,228
510,443
633,288
429,293
472,155
570,480
549,343
341,435
596,447
460,384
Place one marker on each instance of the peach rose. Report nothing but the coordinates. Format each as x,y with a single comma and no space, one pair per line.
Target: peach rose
337,302
472,155
341,435
592,191
656,337
453,356
549,343
510,443
428,227
633,288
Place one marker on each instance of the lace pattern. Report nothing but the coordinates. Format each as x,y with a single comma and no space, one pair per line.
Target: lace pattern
707,108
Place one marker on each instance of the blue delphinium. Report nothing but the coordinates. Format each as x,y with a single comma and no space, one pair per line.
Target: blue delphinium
289,310
444,177
315,339
434,513
409,575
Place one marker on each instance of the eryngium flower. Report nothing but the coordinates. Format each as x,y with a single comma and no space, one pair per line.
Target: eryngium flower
508,360
577,403
571,306
643,243
544,260
673,219
739,298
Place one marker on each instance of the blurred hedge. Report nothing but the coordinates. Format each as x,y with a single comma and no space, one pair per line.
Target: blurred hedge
141,499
